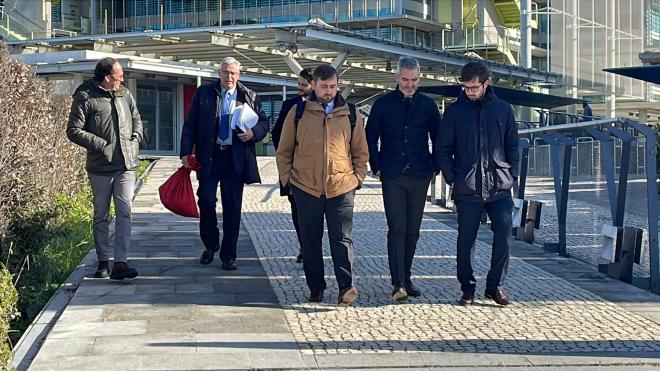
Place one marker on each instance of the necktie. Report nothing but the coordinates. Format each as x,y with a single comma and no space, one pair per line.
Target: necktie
224,118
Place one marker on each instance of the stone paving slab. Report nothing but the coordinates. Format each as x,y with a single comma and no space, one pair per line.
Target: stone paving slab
181,315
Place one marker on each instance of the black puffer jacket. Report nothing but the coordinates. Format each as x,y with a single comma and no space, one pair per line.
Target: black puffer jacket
477,148
108,125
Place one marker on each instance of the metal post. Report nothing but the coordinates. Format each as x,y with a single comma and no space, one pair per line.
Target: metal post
607,156
651,194
626,140
561,179
524,162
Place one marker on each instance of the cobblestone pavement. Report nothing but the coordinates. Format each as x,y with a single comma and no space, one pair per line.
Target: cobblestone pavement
588,210
549,315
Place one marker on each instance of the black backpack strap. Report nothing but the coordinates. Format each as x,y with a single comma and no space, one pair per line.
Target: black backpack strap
300,109
352,115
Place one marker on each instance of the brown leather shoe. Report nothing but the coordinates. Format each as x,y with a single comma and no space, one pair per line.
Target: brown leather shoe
347,295
399,293
498,296
466,299
315,296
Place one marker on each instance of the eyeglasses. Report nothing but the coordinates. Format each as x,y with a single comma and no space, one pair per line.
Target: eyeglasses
228,73
472,89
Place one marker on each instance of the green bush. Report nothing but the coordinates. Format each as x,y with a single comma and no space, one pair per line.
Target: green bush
8,299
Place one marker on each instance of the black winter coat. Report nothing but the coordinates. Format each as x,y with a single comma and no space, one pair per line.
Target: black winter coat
201,130
479,137
403,134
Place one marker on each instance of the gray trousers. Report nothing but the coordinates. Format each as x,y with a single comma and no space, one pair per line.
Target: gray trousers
119,187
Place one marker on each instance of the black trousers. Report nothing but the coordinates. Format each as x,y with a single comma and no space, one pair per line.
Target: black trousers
469,218
231,194
404,197
338,212
294,216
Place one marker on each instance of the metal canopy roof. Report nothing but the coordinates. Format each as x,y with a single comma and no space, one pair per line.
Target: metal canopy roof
645,73
367,63
511,96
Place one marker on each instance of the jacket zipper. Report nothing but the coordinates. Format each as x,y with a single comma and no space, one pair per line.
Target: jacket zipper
325,152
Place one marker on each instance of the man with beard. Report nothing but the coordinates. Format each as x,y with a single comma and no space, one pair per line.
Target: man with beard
304,89
477,152
323,157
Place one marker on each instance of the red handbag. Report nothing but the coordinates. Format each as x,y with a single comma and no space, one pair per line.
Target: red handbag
177,195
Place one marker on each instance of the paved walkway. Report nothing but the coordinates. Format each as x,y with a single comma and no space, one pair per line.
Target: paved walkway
588,210
181,315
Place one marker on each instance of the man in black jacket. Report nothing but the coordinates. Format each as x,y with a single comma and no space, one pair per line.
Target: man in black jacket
304,89
402,121
478,154
226,155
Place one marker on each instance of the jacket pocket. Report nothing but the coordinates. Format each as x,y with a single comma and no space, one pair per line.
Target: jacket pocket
466,183
303,172
341,166
502,175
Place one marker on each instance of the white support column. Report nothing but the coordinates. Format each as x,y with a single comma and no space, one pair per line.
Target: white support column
199,81
575,54
610,99
525,58
339,60
346,92
293,63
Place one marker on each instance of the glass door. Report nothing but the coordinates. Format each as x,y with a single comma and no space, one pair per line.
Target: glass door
157,106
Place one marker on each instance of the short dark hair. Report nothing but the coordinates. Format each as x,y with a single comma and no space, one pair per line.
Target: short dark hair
324,72
473,70
104,68
306,74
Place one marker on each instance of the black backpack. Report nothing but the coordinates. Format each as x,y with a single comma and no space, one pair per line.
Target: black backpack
300,109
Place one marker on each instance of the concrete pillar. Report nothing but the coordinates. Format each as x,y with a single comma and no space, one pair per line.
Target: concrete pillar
611,23
525,58
643,115
93,17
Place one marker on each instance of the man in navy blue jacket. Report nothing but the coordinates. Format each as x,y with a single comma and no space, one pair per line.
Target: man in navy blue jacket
304,90
227,156
478,154
402,121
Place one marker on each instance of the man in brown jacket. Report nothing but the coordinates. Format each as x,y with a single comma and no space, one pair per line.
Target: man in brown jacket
323,158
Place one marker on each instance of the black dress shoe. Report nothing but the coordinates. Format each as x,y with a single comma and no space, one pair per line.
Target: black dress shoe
466,299
102,270
207,256
315,296
412,290
347,296
399,293
498,296
229,265
121,270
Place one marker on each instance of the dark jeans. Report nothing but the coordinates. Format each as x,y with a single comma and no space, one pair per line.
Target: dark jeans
231,194
469,217
294,216
404,197
338,212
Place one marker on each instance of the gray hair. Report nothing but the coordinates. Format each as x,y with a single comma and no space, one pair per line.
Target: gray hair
407,62
230,60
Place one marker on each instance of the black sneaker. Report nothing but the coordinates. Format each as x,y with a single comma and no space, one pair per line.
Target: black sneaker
121,270
102,270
